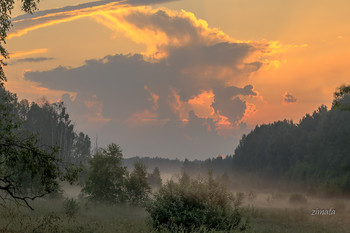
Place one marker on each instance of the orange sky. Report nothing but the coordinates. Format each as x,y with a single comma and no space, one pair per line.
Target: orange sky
296,48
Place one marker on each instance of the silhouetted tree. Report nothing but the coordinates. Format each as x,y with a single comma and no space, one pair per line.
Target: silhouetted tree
154,178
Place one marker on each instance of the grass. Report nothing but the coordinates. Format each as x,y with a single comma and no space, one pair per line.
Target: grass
50,216
290,220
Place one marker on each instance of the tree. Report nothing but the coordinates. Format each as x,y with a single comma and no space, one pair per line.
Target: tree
138,188
52,125
26,171
6,7
154,178
342,98
106,176
81,148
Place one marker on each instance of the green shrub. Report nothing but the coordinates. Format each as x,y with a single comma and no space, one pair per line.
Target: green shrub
71,207
193,204
297,198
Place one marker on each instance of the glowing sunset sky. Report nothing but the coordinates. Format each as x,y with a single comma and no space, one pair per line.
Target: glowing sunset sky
180,78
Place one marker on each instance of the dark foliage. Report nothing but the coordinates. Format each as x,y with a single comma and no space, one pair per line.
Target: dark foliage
109,181
315,152
106,181
54,128
137,186
195,204
27,171
154,178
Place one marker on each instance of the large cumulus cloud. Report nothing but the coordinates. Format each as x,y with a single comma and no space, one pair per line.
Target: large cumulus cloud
188,101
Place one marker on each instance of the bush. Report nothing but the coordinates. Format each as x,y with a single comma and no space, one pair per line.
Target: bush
71,207
191,205
297,198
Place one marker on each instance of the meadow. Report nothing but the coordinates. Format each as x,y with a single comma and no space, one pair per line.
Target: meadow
267,213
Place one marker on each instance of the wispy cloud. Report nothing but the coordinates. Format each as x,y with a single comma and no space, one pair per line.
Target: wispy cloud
288,98
26,23
30,59
26,53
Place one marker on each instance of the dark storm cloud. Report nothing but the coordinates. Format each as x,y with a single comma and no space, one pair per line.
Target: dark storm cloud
225,103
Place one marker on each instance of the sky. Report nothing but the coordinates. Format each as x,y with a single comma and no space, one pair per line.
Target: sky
182,78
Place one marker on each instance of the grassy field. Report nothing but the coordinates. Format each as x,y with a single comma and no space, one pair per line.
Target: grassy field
49,216
268,213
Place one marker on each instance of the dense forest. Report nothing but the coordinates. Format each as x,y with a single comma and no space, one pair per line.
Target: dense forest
51,124
314,152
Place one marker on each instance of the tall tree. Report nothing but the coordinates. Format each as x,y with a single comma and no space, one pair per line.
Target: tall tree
138,188
52,125
106,176
154,178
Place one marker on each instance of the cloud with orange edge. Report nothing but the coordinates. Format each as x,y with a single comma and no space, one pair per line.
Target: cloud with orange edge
191,80
26,53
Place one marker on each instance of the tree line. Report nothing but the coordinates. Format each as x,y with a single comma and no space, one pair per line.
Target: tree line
314,152
51,124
